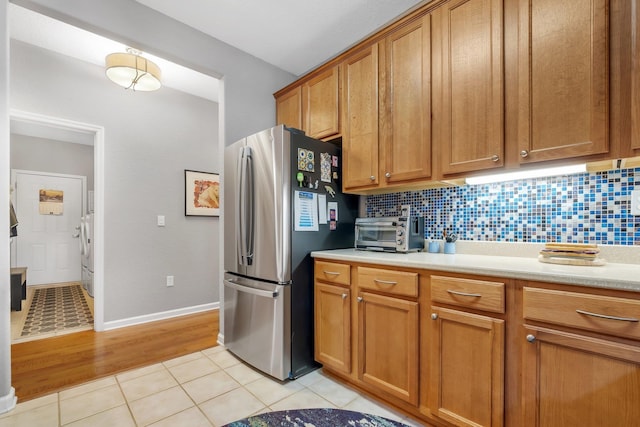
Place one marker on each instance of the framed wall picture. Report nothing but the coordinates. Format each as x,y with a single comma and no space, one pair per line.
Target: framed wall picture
202,193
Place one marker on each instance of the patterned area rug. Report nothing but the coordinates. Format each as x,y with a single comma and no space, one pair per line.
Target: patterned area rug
55,309
323,417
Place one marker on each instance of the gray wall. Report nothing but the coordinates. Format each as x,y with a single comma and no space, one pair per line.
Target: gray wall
47,155
150,139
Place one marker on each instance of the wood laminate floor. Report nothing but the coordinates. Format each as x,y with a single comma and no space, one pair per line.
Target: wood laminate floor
44,366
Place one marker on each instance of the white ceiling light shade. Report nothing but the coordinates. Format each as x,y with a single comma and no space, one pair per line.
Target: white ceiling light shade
132,71
534,173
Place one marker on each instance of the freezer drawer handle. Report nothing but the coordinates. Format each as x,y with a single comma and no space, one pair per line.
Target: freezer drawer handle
254,291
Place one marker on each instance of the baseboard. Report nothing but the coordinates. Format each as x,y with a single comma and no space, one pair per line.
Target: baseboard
163,315
8,402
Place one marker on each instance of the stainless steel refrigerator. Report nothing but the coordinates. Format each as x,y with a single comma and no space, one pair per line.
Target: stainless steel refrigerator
282,200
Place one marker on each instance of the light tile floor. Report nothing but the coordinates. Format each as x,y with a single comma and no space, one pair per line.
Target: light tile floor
207,388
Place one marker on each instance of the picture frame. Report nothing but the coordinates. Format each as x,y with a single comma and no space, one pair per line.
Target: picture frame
202,193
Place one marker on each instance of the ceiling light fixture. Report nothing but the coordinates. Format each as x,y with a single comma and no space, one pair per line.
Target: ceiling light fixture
534,173
132,71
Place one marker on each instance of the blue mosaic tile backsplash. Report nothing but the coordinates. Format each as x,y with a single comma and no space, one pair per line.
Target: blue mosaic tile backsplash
581,208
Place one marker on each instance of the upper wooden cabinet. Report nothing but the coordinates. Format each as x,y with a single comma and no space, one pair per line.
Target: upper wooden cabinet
468,85
313,106
387,103
405,103
289,108
360,123
635,76
321,104
563,79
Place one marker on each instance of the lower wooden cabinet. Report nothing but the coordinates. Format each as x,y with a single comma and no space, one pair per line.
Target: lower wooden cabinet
388,344
466,378
333,326
574,380
464,350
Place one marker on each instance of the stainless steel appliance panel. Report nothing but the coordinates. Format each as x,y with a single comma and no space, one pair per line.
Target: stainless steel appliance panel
258,224
257,324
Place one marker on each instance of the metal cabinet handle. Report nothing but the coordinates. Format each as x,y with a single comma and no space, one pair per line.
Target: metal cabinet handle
495,158
388,174
344,296
604,316
372,178
334,273
464,294
385,282
434,316
531,338
360,299
524,153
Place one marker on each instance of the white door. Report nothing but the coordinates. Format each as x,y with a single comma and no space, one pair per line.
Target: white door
47,242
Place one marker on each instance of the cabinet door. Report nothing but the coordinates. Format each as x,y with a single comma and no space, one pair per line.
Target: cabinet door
563,79
289,109
360,132
466,380
573,380
388,345
321,104
468,56
333,326
406,101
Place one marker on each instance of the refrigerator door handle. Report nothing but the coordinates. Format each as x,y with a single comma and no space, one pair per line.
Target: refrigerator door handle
253,291
244,233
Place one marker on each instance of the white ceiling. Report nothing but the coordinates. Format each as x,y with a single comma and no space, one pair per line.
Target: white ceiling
294,35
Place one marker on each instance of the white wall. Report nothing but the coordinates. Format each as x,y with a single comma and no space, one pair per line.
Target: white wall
150,139
47,155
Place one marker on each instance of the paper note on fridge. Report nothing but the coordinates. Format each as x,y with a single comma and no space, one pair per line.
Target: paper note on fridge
306,211
322,208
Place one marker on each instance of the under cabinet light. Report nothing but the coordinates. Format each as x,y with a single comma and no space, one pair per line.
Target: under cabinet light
534,173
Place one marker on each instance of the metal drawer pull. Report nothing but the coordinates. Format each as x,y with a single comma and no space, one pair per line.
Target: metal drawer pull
385,282
344,296
464,294
360,299
604,316
335,273
531,338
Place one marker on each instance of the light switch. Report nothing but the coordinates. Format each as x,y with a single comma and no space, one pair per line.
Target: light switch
160,220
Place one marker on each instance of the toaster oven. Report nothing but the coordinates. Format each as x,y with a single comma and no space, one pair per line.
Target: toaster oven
403,233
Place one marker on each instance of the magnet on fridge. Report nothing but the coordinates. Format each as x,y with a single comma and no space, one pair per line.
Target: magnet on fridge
330,190
335,175
334,161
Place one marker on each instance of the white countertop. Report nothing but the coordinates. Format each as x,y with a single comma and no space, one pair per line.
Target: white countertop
611,275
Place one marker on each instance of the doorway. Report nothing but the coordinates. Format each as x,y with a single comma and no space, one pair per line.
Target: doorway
62,129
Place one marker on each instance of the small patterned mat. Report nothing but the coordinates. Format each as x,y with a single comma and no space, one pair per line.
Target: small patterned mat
322,417
55,309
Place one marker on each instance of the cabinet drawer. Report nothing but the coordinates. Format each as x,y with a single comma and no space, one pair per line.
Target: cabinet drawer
333,272
390,281
477,294
607,315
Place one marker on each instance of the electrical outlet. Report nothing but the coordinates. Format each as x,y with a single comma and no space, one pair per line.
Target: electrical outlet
169,280
635,202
